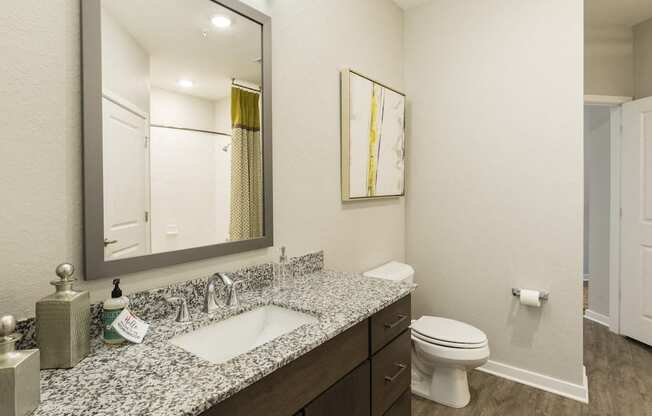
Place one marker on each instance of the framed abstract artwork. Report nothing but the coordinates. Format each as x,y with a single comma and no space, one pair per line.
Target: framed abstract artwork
373,139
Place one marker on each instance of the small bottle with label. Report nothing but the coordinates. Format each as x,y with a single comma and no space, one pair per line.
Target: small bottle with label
110,310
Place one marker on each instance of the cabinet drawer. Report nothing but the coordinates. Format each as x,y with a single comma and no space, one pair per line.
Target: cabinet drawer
389,323
402,407
390,374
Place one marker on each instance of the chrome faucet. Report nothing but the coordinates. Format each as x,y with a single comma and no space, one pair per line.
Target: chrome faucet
183,315
210,300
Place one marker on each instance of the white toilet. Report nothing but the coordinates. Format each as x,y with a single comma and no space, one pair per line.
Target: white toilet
443,350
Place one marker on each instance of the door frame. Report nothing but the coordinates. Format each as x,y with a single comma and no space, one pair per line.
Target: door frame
614,103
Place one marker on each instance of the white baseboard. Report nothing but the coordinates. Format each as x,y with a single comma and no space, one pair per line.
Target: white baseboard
597,317
553,385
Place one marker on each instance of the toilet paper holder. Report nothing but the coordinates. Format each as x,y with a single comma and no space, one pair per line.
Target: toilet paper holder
542,295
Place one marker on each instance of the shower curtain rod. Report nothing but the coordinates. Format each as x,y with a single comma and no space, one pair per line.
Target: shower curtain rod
187,129
235,84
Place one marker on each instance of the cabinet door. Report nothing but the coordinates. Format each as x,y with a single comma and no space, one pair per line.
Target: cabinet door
350,396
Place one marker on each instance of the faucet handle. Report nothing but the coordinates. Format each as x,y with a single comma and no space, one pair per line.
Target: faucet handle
232,294
183,315
210,297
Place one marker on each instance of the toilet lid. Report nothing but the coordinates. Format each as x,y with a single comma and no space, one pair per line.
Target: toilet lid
449,331
427,340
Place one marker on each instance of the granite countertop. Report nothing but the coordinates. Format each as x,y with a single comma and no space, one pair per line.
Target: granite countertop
158,378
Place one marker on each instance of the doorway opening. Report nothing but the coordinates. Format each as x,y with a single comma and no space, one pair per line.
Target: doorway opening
602,140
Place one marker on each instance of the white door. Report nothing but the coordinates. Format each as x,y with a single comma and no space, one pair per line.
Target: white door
636,245
126,182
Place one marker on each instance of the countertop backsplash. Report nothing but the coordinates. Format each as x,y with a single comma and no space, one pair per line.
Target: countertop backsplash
151,305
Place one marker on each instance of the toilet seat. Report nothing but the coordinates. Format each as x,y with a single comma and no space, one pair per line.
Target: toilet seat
448,333
433,341
452,356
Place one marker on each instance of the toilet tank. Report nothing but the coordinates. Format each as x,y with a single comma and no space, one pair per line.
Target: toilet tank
395,271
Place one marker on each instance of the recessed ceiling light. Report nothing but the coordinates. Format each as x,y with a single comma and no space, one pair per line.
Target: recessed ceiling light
221,22
185,83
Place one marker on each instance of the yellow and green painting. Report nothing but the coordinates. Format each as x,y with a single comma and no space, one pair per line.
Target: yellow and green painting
377,140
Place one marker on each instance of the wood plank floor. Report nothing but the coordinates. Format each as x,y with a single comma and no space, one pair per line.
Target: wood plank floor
620,384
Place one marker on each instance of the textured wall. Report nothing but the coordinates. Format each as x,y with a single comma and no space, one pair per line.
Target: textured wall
495,157
40,114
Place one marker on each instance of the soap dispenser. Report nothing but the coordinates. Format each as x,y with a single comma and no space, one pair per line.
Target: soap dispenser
111,309
20,384
63,322
282,275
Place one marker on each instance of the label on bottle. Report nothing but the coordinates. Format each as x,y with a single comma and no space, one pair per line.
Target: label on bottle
110,335
130,327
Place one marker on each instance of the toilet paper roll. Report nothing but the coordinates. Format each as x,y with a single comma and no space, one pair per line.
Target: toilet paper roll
530,298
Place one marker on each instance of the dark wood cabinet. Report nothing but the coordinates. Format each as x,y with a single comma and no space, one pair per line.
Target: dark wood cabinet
390,374
350,396
365,371
402,407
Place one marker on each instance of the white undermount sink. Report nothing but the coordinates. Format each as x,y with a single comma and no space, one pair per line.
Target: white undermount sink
224,340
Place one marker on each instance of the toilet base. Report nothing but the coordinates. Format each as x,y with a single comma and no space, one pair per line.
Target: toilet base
447,385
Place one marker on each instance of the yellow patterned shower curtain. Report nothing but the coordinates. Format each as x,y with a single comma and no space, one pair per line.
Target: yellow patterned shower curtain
246,166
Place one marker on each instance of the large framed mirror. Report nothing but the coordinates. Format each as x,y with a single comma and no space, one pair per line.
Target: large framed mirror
177,132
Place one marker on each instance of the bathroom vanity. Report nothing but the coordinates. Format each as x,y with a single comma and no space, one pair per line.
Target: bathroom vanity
363,371
350,355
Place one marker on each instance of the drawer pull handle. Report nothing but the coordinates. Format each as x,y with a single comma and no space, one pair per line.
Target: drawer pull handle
401,368
398,322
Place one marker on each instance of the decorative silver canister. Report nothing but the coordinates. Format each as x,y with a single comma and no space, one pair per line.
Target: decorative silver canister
63,322
20,384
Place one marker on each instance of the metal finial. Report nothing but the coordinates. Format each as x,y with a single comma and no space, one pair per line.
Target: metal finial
7,325
65,271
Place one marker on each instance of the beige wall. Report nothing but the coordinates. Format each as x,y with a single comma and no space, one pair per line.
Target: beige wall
495,169
170,108
40,177
609,61
643,59
125,64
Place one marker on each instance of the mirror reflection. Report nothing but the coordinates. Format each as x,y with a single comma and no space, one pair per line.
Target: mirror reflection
181,114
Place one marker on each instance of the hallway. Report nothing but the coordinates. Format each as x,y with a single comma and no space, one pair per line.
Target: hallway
620,384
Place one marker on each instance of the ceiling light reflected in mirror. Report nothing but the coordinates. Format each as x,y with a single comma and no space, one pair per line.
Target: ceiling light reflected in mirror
221,22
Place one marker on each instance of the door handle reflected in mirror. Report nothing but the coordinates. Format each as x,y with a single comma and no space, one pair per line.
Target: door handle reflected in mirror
108,242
